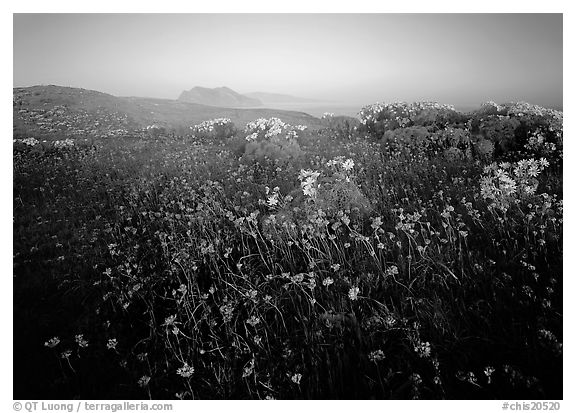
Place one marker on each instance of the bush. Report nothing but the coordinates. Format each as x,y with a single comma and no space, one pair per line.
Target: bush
379,118
271,140
215,129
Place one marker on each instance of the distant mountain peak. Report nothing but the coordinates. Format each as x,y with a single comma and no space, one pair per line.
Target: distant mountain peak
221,96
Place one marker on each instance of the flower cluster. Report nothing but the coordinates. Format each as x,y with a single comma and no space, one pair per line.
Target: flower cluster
522,109
308,182
66,143
185,371
492,106
27,141
268,127
342,163
386,116
273,198
210,125
507,183
272,139
53,342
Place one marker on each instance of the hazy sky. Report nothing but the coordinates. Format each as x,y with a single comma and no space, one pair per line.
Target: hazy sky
350,58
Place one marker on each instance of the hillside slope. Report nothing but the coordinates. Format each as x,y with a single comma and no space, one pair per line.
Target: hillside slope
56,112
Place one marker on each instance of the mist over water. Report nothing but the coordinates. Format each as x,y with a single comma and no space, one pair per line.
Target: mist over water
317,109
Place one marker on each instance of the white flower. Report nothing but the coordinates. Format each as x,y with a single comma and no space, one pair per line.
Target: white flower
112,343
392,270
423,349
272,201
185,371
144,380
376,356
348,164
53,342
353,293
296,378
253,321
252,137
327,281
170,320
80,340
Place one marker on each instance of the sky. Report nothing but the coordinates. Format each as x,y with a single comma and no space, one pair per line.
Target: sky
462,59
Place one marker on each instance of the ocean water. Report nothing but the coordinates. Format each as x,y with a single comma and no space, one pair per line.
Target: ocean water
317,109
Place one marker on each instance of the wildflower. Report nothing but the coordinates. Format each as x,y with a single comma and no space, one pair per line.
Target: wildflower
53,342
353,293
66,354
376,356
248,369
253,321
488,372
327,281
185,371
296,378
348,165
335,267
252,294
272,201
227,311
112,343
376,223
81,341
169,321
471,378
416,379
143,381
308,183
392,270
423,349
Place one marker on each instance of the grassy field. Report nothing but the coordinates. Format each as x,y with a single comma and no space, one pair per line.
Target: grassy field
414,254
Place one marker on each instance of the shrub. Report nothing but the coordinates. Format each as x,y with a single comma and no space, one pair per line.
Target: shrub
411,138
215,129
341,127
379,118
271,140
520,130
335,190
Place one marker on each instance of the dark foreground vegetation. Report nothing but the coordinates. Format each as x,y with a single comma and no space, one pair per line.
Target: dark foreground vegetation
414,254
